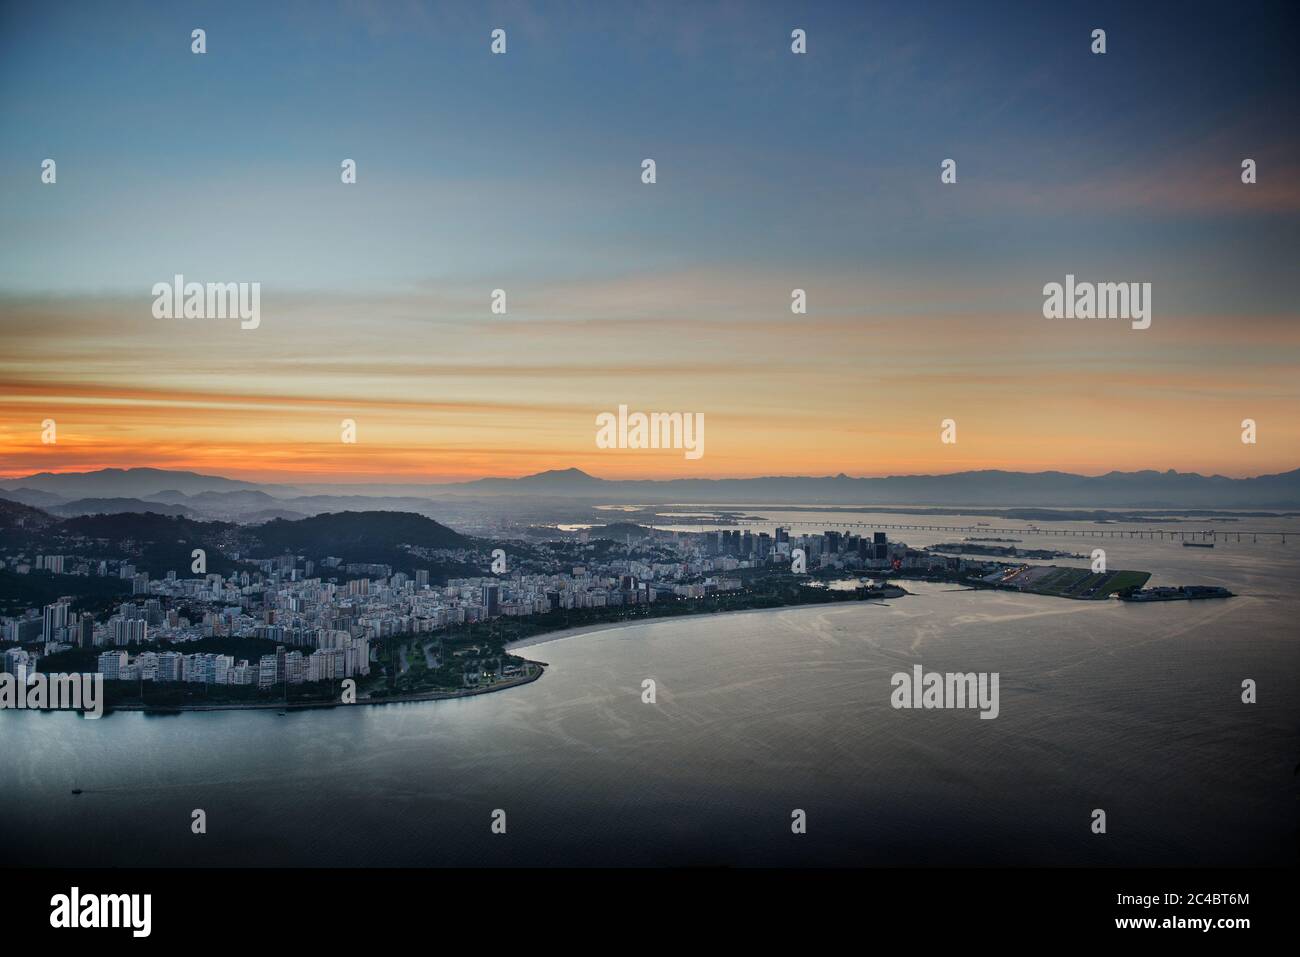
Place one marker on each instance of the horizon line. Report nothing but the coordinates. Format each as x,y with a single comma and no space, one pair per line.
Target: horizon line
573,469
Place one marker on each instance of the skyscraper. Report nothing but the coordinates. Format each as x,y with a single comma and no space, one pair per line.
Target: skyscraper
492,599
56,619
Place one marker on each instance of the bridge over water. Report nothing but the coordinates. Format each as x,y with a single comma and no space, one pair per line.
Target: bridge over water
1209,535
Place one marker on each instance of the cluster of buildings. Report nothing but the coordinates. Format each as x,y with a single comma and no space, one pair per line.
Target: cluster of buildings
348,659
831,548
323,617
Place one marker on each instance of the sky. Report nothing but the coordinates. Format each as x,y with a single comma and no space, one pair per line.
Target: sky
522,172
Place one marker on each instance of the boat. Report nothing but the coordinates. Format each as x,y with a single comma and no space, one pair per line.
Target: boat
76,790
1198,544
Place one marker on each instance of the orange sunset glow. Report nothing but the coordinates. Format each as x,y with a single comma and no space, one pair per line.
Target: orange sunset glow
778,174
439,395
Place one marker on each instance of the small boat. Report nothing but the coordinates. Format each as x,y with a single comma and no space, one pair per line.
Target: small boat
283,713
76,790
1198,544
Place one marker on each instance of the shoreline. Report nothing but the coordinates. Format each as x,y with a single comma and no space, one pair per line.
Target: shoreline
541,638
580,630
509,648
316,705
520,644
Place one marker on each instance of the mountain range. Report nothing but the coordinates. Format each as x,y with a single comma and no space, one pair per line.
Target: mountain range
160,543
193,494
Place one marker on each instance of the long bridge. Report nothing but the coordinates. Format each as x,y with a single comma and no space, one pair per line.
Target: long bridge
1209,535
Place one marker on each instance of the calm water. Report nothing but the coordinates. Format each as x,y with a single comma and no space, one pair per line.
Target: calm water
1134,709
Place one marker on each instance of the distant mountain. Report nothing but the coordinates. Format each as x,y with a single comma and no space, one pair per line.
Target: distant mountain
246,498
554,481
241,505
114,506
32,496
1146,489
228,499
566,478
170,495
124,483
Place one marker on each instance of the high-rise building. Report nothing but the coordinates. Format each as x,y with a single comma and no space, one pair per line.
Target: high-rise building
56,619
127,631
171,666
492,599
112,665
